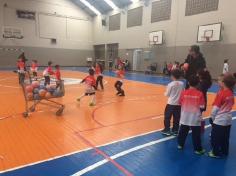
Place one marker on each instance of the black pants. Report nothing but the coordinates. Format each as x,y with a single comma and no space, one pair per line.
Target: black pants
220,139
21,77
196,136
47,80
172,110
118,86
99,81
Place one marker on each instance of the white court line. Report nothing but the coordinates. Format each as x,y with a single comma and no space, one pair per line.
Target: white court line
126,152
77,152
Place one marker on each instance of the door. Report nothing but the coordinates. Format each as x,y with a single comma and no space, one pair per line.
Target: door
137,56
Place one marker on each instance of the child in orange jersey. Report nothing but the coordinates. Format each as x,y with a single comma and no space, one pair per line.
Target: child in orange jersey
90,83
98,72
21,70
120,73
58,75
34,68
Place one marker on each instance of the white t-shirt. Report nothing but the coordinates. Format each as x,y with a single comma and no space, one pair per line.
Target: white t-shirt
173,92
226,68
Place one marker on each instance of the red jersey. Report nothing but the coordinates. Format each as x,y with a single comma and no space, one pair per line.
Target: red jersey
120,74
90,81
222,107
34,66
98,70
191,101
58,74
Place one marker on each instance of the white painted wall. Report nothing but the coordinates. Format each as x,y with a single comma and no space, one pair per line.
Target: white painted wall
60,19
179,31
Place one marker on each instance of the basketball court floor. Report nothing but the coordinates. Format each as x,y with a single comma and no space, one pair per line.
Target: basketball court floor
119,136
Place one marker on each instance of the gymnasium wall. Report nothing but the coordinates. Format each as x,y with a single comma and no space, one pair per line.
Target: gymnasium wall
59,19
180,33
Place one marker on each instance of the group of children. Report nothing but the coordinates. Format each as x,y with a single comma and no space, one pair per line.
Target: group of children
187,105
47,73
95,78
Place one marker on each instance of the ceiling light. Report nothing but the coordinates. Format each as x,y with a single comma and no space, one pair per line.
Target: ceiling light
111,4
86,3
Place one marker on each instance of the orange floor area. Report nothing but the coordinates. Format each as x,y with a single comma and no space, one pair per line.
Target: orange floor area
44,135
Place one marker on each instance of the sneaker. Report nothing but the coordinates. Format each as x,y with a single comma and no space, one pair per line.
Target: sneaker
175,133
180,147
91,104
166,132
121,95
212,155
200,152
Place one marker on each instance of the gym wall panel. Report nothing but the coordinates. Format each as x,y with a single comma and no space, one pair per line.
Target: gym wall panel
194,7
161,10
79,30
114,22
52,26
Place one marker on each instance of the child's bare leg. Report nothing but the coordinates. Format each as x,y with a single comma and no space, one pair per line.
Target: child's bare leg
93,100
82,96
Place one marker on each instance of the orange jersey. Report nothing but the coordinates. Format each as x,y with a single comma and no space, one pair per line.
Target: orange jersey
58,74
21,65
98,70
120,74
34,66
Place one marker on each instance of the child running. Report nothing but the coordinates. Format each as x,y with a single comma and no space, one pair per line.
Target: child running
34,68
226,66
90,89
21,70
221,117
47,72
120,73
173,108
192,101
58,76
98,72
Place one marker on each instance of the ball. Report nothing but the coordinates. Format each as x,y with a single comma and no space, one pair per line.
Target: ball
29,89
57,93
185,66
42,93
36,97
35,84
30,96
42,87
36,91
48,95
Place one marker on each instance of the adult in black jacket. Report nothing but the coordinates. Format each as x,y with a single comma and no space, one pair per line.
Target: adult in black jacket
196,62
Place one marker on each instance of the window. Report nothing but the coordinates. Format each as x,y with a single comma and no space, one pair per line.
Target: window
135,17
161,10
194,7
114,22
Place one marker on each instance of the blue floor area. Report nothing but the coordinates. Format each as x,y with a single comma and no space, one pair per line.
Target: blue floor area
141,77
161,159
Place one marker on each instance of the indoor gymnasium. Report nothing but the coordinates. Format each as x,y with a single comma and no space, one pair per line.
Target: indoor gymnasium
117,88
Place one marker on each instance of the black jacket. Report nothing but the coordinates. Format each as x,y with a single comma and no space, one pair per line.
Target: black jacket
195,64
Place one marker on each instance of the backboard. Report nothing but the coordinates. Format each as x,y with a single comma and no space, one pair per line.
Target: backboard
156,38
209,33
